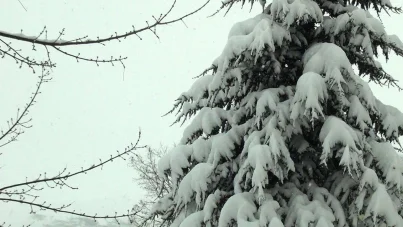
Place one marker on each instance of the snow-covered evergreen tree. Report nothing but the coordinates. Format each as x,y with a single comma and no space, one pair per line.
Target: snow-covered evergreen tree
286,130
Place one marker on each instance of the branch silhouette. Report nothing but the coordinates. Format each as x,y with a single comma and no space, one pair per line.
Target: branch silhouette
16,126
80,41
60,180
62,176
61,209
26,192
22,59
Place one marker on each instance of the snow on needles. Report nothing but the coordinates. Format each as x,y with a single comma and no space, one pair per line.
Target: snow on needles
297,10
310,92
336,131
284,132
195,181
253,35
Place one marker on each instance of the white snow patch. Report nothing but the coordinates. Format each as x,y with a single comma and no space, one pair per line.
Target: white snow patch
336,131
310,92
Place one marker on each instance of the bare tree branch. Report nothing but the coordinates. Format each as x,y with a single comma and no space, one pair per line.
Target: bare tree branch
4,224
17,125
25,192
60,180
154,185
61,209
97,60
7,49
61,177
80,41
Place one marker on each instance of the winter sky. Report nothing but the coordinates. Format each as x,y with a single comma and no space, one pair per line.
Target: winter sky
88,112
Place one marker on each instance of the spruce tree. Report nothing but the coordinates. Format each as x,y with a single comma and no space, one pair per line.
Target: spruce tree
286,131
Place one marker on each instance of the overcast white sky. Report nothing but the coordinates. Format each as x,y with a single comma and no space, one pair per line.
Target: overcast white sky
88,112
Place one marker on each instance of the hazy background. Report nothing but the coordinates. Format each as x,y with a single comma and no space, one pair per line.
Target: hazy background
88,112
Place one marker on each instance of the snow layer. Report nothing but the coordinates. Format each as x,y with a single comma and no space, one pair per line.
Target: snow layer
297,10
253,34
313,153
311,91
196,181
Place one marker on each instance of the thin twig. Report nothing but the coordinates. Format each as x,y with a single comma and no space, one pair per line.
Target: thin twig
101,40
22,6
63,177
18,122
61,210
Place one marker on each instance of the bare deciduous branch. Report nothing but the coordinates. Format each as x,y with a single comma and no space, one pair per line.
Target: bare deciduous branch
154,185
25,192
17,125
60,180
97,60
24,59
62,176
61,209
80,41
